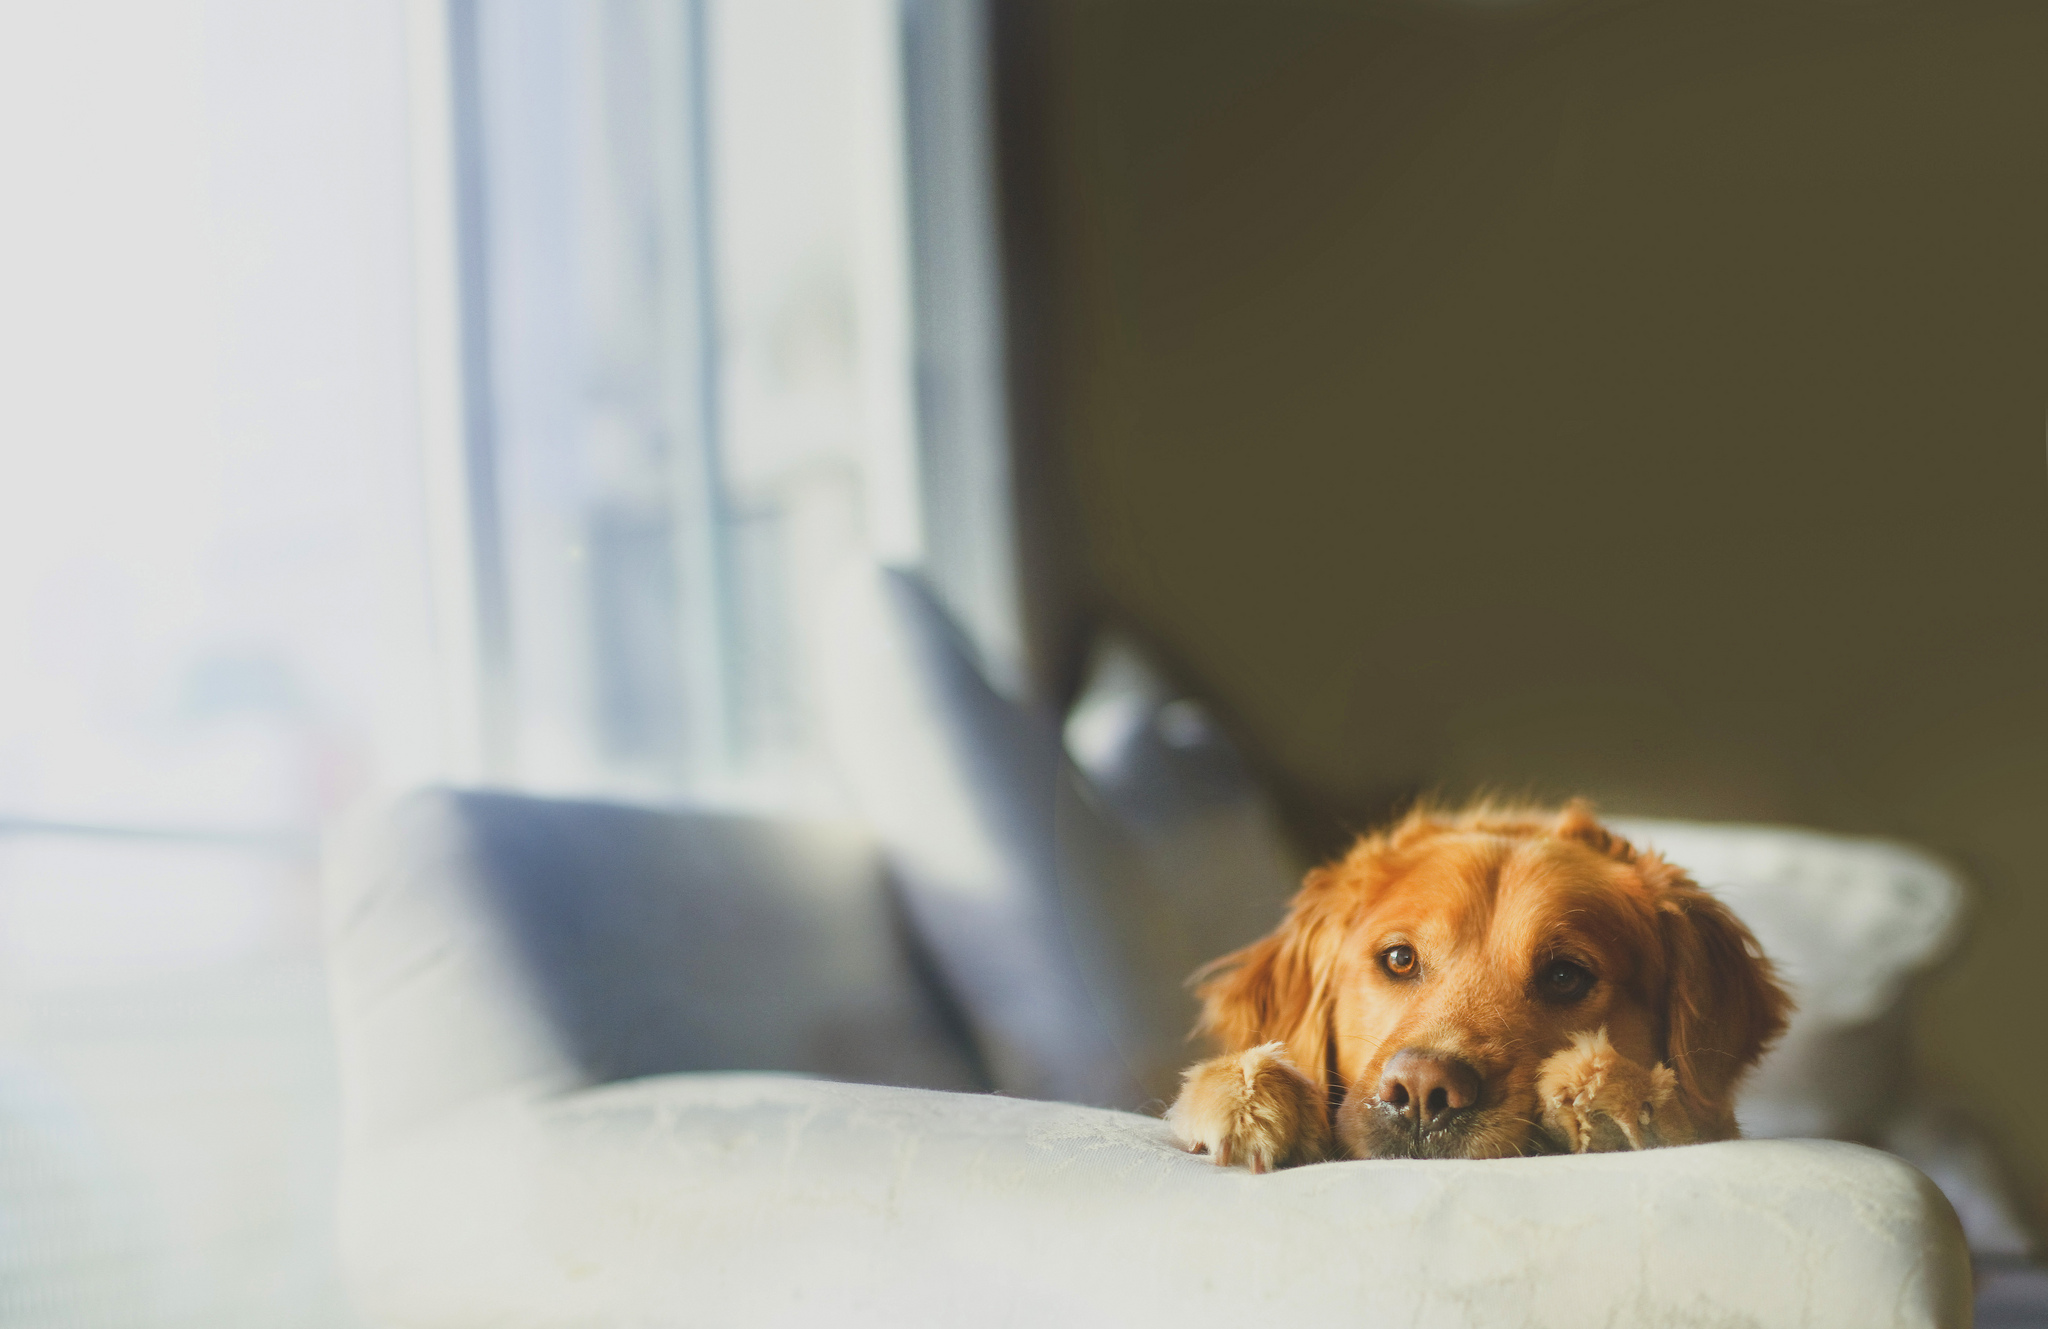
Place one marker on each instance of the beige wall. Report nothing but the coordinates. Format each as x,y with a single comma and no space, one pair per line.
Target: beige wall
1637,399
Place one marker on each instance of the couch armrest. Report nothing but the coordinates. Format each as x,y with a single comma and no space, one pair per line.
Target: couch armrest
749,1200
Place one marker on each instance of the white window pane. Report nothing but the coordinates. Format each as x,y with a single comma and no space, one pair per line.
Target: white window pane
208,523
213,617
693,327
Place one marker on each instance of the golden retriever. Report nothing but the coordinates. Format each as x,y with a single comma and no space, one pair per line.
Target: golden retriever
1481,984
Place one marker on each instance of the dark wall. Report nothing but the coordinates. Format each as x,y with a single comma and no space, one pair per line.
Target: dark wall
1644,400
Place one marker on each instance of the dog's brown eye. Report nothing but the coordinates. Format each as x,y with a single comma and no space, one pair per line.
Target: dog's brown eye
1398,961
1561,980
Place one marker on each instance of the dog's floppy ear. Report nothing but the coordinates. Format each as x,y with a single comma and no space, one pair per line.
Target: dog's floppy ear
1281,986
1723,1004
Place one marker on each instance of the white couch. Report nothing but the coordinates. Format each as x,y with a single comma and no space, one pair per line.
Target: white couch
750,1200
517,981
535,1001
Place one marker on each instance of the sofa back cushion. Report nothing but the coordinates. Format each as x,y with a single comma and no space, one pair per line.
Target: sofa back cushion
482,942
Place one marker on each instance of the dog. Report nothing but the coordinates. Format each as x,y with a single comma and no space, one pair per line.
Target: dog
1491,982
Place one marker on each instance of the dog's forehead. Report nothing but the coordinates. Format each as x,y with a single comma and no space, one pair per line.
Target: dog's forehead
1552,892
1448,887
1497,891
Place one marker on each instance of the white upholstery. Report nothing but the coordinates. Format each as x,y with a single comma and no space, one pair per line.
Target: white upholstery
971,803
760,1201
499,962
485,943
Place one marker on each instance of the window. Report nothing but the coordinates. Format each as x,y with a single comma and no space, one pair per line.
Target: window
213,632
394,393
694,388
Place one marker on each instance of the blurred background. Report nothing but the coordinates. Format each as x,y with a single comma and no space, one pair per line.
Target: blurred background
1614,397
1641,400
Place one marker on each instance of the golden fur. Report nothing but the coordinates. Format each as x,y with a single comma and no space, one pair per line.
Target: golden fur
1255,1108
1594,996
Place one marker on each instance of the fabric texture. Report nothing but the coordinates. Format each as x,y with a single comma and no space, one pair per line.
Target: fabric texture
761,1201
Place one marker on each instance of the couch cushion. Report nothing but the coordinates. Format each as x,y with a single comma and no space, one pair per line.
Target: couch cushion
480,942
751,1200
1205,839
1000,865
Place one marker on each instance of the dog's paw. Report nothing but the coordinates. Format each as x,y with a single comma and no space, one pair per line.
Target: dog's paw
1594,1100
1254,1108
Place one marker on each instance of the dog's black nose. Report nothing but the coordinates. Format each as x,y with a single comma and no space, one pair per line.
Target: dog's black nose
1428,1088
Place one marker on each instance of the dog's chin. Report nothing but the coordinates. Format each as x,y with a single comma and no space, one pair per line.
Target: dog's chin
1373,1130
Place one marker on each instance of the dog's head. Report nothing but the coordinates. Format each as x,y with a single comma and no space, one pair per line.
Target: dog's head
1431,971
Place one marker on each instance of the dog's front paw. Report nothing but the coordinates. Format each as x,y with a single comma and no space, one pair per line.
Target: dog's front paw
1254,1108
1594,1100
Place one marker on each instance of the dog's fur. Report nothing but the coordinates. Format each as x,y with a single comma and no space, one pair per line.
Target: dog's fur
1497,913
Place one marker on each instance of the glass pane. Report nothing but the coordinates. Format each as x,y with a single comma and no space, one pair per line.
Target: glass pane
695,317
214,632
210,595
